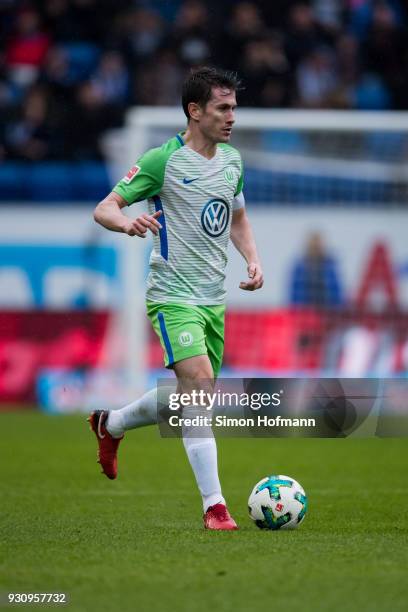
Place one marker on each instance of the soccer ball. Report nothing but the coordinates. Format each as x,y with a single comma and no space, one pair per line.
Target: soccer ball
277,502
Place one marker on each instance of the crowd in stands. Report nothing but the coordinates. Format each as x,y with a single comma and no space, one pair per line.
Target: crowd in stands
69,69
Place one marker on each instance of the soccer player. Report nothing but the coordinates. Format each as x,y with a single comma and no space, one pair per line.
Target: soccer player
193,185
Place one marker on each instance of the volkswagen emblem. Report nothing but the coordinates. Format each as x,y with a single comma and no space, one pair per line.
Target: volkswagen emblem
215,217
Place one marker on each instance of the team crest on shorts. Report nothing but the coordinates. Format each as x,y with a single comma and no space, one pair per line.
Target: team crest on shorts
131,174
185,338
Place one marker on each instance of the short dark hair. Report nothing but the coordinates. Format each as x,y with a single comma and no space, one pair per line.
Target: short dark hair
199,83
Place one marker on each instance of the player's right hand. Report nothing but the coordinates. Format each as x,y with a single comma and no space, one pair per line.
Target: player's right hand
140,225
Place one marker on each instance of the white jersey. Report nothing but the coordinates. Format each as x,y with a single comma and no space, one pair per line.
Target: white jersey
197,197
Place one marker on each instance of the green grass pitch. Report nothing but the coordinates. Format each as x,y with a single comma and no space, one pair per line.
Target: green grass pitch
138,544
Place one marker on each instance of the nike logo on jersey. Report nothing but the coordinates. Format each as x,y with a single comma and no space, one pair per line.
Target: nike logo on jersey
187,181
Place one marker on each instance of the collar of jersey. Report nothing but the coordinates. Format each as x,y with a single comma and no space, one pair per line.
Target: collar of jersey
180,138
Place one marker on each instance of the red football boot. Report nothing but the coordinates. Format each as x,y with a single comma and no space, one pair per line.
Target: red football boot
108,446
217,517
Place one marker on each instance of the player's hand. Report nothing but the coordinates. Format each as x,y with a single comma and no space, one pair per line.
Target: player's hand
255,276
140,225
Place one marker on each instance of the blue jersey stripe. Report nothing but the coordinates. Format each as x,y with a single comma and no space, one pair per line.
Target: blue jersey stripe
164,246
181,141
165,338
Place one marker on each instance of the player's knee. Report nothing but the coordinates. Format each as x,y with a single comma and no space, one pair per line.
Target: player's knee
199,380
202,374
196,370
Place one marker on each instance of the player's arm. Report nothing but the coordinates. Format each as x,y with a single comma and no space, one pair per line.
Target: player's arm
109,214
243,240
143,181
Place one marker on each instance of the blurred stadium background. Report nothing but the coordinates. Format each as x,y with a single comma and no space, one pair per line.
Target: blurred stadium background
87,85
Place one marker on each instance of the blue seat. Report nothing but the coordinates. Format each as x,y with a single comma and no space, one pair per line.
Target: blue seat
91,181
14,183
51,182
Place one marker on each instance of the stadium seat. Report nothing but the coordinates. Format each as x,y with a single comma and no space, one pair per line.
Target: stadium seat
14,185
51,182
91,181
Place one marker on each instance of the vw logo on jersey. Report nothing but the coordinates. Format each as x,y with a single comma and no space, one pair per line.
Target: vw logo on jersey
215,217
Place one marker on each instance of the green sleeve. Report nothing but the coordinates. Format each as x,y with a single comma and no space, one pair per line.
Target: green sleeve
240,184
145,178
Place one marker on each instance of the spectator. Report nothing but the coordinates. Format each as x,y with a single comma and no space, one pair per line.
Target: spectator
314,280
27,48
111,80
59,20
359,17
159,81
348,59
316,79
303,34
90,21
30,136
265,71
190,38
142,34
56,71
91,18
328,14
386,52
10,93
91,115
316,54
371,93
246,25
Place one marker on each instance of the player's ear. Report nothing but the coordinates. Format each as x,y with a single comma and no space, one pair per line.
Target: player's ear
194,110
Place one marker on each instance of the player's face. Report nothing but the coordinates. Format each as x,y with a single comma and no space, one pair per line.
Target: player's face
217,118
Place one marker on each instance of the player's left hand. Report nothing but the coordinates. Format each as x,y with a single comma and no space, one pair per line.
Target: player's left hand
255,276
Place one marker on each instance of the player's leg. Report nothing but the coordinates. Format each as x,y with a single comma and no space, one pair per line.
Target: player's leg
184,332
196,373
214,335
181,336
180,330
110,426
138,413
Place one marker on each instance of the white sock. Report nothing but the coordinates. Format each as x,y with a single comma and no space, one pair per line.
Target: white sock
202,454
139,413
